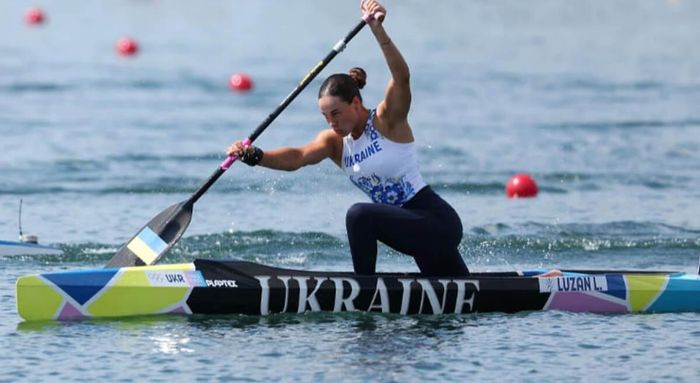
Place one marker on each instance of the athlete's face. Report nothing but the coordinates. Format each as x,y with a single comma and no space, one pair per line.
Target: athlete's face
340,115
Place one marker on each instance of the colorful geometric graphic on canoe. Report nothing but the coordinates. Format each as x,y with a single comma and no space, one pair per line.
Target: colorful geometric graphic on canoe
107,292
644,289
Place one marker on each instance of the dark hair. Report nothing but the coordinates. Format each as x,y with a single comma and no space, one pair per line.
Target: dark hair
345,86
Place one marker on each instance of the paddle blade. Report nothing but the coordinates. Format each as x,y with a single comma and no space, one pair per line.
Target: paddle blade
154,239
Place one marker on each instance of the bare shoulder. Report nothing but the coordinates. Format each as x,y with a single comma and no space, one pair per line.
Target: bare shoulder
332,144
328,138
328,135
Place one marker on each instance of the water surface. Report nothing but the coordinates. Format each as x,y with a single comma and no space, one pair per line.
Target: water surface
597,100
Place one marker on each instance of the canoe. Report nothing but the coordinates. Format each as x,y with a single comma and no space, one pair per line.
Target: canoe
27,248
238,287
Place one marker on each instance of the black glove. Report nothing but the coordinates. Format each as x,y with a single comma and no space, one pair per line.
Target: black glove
252,159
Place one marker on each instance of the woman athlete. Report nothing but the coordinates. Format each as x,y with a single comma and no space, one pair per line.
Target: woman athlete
376,149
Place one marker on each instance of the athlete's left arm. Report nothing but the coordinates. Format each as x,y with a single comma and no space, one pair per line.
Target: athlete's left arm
397,97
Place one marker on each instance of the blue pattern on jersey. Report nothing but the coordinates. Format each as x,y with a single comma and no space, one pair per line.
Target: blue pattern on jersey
391,191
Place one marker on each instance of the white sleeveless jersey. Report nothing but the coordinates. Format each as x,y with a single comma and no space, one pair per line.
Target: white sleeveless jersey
386,171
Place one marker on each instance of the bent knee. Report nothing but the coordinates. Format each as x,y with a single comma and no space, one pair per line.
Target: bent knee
358,213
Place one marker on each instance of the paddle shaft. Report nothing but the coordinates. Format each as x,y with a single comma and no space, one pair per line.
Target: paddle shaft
163,231
282,106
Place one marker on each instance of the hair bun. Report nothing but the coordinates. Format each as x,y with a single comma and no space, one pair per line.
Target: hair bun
359,75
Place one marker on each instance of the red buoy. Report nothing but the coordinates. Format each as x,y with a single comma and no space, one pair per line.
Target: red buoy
34,16
127,46
240,82
521,186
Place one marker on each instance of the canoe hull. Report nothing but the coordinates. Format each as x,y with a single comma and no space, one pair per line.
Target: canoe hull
236,287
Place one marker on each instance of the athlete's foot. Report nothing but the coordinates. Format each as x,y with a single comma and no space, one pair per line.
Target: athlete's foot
550,274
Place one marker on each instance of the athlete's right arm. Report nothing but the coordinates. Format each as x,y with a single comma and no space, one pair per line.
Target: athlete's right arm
325,145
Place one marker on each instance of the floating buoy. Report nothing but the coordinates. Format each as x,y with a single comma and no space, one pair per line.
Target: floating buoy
34,16
240,82
521,186
127,46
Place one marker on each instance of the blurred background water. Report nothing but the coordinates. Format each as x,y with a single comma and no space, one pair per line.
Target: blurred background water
596,100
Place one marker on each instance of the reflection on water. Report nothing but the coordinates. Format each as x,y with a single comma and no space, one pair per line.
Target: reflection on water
171,344
372,346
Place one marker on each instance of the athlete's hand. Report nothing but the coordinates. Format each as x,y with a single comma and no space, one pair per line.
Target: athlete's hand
238,149
372,7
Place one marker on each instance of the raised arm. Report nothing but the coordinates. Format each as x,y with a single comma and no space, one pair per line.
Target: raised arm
397,98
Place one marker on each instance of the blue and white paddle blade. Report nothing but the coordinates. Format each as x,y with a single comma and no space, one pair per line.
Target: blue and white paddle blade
155,238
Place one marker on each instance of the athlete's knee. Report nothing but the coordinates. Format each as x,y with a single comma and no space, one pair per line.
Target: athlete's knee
358,215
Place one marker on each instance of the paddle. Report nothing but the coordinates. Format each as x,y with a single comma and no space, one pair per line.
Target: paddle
163,231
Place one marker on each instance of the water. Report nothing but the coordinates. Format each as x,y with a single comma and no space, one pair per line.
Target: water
597,100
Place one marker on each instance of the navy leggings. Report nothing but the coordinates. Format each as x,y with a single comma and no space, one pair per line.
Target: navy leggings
426,228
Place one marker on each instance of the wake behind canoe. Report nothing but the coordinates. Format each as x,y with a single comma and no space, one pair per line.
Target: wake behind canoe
237,287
